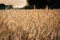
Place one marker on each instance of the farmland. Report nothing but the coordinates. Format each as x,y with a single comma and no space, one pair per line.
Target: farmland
30,24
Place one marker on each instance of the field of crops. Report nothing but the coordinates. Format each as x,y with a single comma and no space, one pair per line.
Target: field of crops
29,24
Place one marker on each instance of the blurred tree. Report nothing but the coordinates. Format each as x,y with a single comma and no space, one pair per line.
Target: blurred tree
9,7
38,3
54,4
28,7
2,6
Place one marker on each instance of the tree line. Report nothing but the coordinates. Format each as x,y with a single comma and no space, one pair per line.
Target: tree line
41,4
37,4
3,6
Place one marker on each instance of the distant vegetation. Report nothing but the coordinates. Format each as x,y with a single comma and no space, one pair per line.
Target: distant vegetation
41,4
3,6
36,4
9,7
54,4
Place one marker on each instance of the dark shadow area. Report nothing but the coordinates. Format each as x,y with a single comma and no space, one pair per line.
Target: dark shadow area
54,4
37,3
41,4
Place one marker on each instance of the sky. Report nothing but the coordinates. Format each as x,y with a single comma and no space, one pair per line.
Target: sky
15,3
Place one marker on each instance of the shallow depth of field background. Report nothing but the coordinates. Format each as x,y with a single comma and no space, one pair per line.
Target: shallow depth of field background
29,24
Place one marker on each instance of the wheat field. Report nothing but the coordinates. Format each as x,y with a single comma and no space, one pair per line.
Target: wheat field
29,24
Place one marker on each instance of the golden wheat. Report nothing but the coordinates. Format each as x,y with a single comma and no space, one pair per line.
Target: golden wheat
29,24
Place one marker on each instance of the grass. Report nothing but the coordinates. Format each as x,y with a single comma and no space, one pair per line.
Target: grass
29,24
